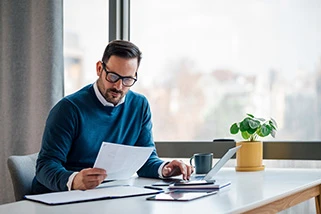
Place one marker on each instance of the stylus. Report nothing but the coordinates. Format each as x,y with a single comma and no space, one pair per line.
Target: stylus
155,188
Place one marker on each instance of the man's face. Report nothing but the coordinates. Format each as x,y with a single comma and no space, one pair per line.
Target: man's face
114,92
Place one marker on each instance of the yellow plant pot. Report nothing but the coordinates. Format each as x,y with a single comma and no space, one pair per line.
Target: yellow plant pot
249,157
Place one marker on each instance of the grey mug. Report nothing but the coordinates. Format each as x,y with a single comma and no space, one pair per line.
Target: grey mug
202,162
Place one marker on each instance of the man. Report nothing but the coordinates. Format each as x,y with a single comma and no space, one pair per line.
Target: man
104,111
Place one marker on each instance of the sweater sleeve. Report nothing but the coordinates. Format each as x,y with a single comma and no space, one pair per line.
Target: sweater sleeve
60,129
150,168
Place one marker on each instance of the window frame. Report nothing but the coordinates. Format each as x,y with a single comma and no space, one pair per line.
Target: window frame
119,19
285,150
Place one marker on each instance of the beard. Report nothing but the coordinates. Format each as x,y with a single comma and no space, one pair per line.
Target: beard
113,95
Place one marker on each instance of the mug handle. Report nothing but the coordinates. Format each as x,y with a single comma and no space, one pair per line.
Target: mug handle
191,160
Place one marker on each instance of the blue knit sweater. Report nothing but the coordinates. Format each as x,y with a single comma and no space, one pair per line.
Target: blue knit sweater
75,129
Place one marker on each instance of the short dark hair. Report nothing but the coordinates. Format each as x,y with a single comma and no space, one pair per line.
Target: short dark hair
122,48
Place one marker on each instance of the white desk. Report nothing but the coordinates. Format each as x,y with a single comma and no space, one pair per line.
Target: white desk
271,190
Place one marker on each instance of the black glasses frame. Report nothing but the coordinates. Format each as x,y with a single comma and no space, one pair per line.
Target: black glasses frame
119,77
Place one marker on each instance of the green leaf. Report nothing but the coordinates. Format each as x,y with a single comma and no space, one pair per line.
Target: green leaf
245,135
250,115
273,133
259,133
265,130
272,126
273,122
244,125
251,131
254,124
234,129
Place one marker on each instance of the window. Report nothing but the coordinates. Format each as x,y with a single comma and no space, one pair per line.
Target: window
85,38
208,63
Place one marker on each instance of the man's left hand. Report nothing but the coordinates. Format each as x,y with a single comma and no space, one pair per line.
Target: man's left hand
177,167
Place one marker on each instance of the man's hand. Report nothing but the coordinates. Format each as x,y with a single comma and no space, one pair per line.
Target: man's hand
177,167
88,178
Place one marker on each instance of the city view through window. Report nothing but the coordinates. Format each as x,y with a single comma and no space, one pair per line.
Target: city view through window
208,63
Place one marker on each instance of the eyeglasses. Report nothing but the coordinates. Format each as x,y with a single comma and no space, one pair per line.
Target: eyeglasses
113,77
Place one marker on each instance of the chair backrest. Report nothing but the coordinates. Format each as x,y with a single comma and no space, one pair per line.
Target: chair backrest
22,170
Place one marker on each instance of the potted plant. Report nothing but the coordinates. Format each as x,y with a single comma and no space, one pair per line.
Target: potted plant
249,157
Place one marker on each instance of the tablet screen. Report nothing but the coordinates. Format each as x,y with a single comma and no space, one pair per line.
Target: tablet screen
180,196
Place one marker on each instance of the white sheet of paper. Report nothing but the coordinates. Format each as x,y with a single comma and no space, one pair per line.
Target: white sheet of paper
121,161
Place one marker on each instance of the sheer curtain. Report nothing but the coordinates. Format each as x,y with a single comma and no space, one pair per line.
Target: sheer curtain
31,76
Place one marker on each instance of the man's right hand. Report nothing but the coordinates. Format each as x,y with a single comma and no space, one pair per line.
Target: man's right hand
89,178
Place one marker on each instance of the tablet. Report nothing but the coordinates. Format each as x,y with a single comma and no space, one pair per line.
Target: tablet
166,182
180,196
193,183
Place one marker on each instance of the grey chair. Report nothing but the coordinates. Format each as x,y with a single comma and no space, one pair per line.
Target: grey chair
22,170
